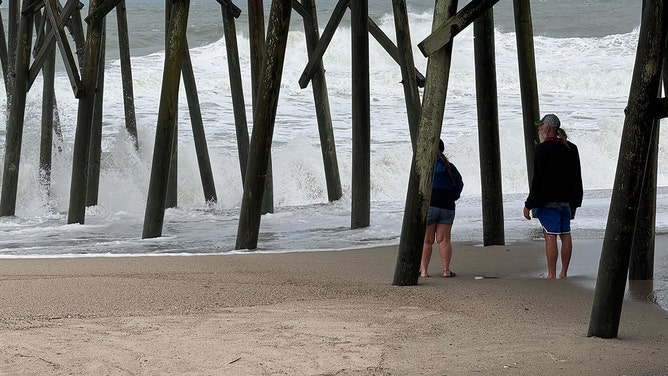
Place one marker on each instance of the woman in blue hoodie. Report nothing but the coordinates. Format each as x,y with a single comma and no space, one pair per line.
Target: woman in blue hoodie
445,191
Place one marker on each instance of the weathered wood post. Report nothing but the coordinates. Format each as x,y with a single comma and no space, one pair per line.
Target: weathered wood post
641,264
321,100
13,25
361,121
171,200
488,131
230,12
438,47
79,183
3,56
199,138
257,51
95,152
263,124
641,261
424,157
14,134
167,113
126,73
627,188
407,64
256,39
528,81
48,111
75,25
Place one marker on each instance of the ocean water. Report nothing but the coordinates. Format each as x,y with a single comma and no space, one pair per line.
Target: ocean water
585,52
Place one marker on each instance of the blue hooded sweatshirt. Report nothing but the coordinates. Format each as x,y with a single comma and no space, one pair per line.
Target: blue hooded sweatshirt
444,191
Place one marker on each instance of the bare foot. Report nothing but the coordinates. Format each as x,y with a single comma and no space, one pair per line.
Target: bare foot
423,275
449,274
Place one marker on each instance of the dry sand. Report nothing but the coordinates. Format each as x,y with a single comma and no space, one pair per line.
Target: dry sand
314,313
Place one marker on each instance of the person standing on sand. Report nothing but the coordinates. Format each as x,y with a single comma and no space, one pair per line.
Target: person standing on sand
446,188
555,192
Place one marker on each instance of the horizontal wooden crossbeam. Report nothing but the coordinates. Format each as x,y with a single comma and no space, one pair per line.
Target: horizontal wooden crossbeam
230,7
455,24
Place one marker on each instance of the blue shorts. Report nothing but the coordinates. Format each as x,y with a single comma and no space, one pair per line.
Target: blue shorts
440,216
555,220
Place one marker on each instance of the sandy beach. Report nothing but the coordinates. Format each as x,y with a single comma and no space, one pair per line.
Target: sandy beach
314,313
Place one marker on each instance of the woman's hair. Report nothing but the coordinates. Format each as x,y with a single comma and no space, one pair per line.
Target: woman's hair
562,136
441,148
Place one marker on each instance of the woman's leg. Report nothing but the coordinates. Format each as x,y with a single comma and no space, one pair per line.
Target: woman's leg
443,233
426,249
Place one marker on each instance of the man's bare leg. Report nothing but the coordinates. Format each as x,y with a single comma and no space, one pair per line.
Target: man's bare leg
566,251
552,253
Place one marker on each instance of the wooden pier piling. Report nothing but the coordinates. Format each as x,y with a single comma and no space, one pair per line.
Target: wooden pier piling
15,120
488,130
526,59
424,157
257,51
263,124
82,138
95,152
641,264
361,122
126,73
167,113
321,101
199,138
407,64
641,113
48,114
229,13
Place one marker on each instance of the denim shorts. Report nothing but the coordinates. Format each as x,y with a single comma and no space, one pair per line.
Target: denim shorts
555,220
440,216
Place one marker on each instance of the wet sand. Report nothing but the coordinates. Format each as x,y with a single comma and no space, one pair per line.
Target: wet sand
317,313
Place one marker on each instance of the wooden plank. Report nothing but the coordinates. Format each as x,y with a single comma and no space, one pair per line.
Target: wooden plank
325,39
455,24
101,11
44,44
229,7
65,50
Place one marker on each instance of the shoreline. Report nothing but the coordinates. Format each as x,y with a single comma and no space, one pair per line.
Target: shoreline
314,313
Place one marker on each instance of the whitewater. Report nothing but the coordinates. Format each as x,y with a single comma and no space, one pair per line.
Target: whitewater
583,76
